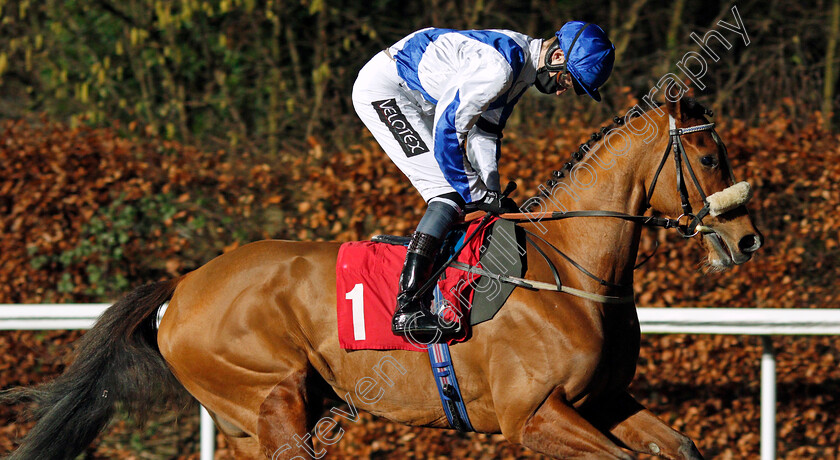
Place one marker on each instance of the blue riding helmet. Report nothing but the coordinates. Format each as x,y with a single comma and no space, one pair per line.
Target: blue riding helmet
589,55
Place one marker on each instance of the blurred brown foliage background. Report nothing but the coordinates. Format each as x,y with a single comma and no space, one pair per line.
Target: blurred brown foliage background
140,139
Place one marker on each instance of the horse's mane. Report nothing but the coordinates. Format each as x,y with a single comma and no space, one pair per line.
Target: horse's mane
691,107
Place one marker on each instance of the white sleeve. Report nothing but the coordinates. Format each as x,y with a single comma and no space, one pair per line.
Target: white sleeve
483,77
483,155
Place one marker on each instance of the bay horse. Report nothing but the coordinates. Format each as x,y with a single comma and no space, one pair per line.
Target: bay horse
252,334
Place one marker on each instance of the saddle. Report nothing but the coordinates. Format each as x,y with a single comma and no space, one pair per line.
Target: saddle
502,252
367,273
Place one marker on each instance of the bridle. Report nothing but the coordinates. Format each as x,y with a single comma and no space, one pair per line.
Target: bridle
712,204
693,222
693,225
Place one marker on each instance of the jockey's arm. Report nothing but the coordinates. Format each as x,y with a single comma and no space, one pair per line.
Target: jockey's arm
483,149
483,78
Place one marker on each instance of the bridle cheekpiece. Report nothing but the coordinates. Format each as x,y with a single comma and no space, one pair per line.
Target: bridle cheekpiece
693,224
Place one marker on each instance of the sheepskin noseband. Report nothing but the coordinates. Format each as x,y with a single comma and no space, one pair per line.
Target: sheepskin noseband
729,198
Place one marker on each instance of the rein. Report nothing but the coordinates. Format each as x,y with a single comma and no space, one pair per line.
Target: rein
692,227
674,145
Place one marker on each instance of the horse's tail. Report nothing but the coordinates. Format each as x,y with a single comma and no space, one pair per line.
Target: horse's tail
116,361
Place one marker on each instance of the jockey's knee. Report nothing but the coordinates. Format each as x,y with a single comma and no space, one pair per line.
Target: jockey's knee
442,212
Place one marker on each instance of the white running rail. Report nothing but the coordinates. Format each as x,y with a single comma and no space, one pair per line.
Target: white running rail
764,322
731,321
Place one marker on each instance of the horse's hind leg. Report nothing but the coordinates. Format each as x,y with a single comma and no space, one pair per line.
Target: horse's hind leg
285,421
558,430
641,431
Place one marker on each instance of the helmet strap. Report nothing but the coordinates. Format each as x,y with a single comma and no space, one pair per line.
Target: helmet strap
555,45
566,54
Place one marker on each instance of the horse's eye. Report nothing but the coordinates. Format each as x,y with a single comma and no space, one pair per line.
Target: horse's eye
708,160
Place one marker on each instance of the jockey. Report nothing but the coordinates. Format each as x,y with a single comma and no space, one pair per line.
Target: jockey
437,101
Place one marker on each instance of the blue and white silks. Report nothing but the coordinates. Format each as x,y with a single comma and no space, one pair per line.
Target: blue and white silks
467,75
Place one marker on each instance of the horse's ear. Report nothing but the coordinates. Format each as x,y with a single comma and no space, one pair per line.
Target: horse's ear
674,108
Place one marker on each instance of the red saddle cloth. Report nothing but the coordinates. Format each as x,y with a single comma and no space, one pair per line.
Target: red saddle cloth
367,276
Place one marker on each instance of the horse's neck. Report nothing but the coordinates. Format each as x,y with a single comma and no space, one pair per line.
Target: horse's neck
607,247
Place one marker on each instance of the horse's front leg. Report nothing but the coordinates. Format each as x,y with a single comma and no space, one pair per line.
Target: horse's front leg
637,428
558,430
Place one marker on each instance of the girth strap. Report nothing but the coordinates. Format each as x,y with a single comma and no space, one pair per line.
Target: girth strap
447,385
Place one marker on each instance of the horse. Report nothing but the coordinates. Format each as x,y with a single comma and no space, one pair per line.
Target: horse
252,334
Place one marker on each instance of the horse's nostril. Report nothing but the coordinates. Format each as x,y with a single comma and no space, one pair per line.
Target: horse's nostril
749,244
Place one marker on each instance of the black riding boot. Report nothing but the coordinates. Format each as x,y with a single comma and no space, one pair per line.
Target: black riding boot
413,316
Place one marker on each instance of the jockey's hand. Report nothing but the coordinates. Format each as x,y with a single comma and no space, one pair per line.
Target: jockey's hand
495,203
